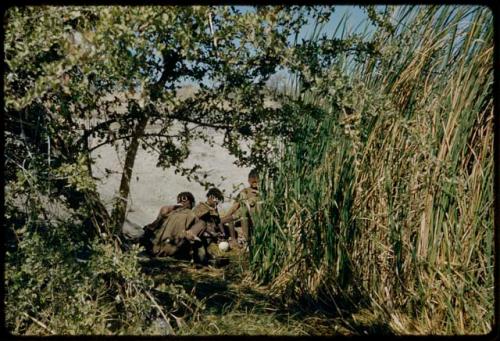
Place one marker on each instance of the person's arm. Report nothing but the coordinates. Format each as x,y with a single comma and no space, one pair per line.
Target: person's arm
164,212
196,228
219,226
229,215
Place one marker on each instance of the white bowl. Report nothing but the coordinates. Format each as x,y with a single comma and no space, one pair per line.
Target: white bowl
224,246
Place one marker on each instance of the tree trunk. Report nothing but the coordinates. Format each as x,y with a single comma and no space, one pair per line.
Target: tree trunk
120,208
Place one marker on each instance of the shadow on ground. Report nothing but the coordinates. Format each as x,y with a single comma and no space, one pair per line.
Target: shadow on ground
226,288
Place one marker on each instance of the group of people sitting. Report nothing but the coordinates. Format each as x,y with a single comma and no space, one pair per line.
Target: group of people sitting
185,230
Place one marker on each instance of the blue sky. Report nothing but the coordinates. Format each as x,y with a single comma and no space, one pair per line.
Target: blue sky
356,18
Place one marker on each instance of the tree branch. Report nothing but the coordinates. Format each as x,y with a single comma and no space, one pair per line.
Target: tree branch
199,123
129,136
89,132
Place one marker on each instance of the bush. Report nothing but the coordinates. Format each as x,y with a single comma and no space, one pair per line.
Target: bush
56,283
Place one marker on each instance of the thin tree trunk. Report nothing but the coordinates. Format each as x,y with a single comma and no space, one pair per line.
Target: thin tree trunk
120,208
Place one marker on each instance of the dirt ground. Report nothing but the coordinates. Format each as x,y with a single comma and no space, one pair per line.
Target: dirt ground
151,186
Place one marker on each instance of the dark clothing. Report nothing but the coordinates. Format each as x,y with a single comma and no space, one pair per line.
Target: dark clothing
209,217
175,230
241,212
171,236
149,230
248,204
164,212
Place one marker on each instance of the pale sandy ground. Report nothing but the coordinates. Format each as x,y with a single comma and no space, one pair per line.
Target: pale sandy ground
151,186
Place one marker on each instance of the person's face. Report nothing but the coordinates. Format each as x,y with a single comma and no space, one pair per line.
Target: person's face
254,182
185,202
212,201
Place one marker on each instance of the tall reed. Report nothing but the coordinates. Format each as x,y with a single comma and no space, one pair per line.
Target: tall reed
394,202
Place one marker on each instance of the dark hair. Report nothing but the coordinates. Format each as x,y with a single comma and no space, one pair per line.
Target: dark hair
186,195
216,193
253,173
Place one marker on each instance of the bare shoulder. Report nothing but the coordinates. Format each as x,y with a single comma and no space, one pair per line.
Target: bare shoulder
165,210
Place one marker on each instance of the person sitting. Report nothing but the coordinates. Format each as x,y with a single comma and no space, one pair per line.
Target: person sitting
173,233
184,200
207,227
208,213
244,206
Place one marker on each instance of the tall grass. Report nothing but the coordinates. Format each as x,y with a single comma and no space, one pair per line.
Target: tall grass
392,205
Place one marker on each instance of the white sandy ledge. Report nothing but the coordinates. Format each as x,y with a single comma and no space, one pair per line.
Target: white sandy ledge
151,187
